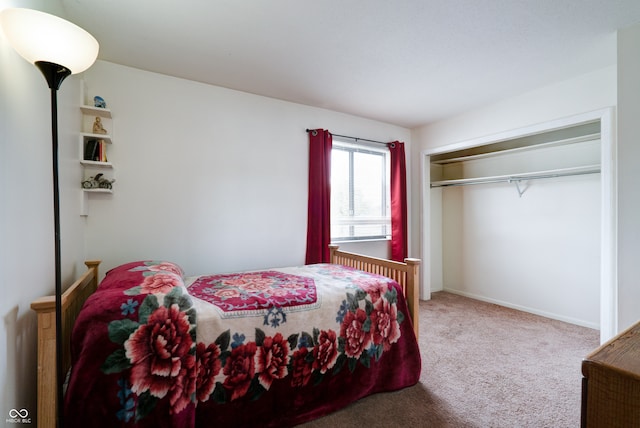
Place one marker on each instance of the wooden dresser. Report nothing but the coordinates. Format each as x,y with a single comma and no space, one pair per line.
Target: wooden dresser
611,383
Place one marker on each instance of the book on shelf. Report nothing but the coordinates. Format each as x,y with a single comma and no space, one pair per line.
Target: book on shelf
95,150
90,149
103,151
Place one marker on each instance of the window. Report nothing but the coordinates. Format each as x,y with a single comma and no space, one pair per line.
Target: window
360,198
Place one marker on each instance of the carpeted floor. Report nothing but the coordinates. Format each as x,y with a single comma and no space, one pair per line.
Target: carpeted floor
483,365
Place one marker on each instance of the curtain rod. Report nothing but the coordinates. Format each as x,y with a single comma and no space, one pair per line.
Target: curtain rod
356,139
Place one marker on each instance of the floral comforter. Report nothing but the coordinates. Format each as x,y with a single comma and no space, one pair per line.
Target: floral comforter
152,348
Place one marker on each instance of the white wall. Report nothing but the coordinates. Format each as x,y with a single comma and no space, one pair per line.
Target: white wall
628,161
211,178
582,94
26,210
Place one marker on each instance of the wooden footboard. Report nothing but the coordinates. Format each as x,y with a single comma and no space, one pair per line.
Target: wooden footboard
406,274
72,300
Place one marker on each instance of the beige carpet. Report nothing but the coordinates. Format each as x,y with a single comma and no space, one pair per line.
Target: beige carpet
483,365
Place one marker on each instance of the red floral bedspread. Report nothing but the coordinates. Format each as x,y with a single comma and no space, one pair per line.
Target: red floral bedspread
276,348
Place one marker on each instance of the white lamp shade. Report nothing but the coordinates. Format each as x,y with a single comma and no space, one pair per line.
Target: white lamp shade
38,36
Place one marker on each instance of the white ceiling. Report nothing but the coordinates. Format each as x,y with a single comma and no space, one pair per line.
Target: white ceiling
406,62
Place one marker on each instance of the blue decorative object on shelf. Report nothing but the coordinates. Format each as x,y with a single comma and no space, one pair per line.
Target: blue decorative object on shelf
99,102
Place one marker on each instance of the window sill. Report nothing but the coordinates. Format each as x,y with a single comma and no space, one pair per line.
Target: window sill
355,241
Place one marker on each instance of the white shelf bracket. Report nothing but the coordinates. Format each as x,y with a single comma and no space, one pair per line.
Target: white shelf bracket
84,204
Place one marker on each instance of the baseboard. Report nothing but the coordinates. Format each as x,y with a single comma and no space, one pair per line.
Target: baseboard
534,311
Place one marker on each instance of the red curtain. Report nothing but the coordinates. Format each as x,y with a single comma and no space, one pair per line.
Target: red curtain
398,201
319,213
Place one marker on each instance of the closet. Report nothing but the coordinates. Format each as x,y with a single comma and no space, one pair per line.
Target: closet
518,221
560,153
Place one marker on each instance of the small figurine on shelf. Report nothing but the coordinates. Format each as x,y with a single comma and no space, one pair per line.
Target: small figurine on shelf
97,126
98,182
103,183
99,102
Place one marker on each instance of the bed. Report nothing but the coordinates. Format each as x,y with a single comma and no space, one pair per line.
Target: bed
149,349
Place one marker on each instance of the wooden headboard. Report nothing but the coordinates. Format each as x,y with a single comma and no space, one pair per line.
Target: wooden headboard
72,300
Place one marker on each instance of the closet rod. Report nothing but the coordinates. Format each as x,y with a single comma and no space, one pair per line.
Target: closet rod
594,169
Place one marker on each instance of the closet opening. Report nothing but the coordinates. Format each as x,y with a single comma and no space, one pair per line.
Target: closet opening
524,219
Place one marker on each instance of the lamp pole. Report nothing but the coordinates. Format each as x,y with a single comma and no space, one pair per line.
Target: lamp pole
55,74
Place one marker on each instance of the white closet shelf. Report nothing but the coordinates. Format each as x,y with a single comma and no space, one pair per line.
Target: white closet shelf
563,142
552,173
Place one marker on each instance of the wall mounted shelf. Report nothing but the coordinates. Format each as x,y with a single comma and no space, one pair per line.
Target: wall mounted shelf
96,164
97,190
95,111
93,149
104,137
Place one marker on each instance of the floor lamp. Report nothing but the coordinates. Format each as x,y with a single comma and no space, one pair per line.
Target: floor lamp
58,48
